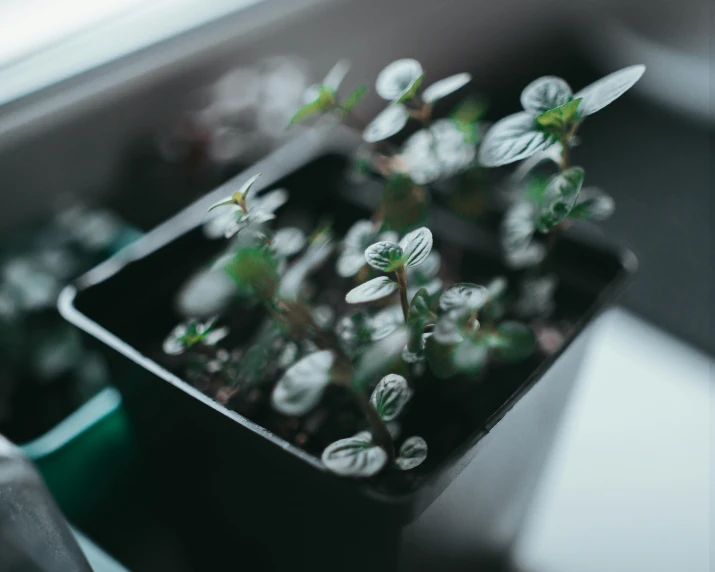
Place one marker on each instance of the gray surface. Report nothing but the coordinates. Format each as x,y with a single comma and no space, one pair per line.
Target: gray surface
628,488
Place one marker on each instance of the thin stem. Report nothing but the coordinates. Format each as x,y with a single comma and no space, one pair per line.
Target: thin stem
401,275
565,153
377,426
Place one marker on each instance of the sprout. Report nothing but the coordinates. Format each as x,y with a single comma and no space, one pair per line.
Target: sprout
400,80
191,333
552,114
412,454
246,210
390,396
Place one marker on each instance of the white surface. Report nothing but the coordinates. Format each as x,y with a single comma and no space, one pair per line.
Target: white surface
628,487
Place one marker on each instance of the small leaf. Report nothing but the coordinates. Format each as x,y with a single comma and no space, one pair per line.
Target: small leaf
386,321
444,87
336,75
353,98
513,138
545,93
302,385
560,120
512,342
448,329
607,89
385,256
559,198
268,202
399,80
593,204
377,359
371,290
308,110
288,241
517,228
355,457
417,246
350,262
464,295
390,396
470,357
387,123
412,453
418,316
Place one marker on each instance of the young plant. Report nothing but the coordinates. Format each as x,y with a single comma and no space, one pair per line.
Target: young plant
370,351
543,134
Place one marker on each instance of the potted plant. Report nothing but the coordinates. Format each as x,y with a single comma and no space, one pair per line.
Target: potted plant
363,360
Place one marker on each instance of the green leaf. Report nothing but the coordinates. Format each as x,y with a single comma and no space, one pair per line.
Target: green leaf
464,295
390,396
545,93
254,269
417,246
412,453
353,98
371,290
418,316
513,138
385,256
560,121
559,198
466,118
511,342
607,89
355,456
302,385
593,204
445,87
191,333
377,359
308,110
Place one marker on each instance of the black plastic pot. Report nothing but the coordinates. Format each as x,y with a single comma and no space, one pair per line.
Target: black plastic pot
243,498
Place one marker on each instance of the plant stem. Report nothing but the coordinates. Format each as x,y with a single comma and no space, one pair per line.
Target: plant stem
565,153
378,428
401,275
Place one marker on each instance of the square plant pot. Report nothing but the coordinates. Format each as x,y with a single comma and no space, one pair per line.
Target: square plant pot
241,495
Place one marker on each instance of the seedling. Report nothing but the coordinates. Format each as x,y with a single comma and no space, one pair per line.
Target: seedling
400,321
